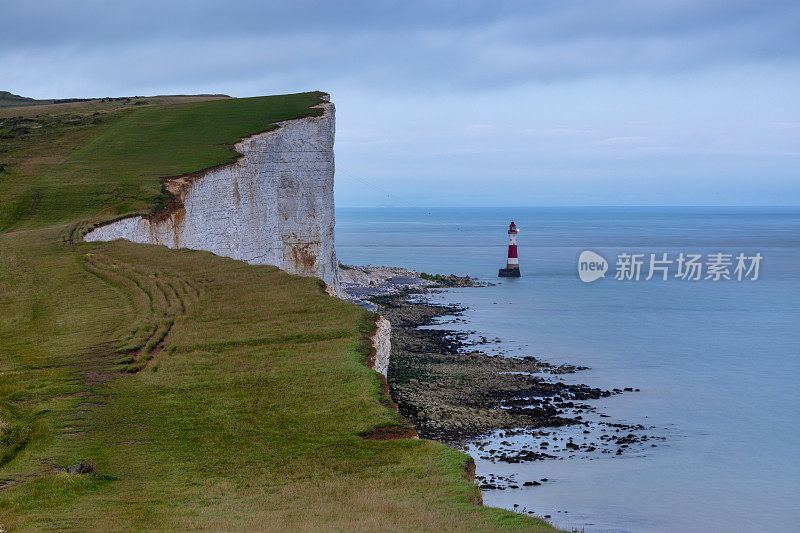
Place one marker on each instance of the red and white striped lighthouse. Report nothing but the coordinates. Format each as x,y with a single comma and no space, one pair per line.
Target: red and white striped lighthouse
512,266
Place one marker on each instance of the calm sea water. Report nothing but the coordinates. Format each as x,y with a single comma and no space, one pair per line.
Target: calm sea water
717,363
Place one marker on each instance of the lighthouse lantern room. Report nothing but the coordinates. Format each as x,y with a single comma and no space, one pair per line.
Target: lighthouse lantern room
512,266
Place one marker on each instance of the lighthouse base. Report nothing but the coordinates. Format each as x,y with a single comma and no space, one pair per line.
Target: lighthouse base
509,272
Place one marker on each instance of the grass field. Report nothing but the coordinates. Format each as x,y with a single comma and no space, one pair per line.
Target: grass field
207,393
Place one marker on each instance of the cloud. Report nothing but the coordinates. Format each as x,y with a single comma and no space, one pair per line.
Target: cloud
458,94
467,45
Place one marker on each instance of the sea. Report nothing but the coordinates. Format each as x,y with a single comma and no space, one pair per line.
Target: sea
716,361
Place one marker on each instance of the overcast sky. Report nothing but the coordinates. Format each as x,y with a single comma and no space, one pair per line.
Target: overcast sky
468,103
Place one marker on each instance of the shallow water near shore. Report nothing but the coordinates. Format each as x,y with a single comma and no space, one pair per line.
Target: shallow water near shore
716,363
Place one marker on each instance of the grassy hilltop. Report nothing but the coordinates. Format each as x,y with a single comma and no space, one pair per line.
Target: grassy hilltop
207,393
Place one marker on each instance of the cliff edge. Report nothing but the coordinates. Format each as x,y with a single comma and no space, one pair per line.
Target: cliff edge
273,206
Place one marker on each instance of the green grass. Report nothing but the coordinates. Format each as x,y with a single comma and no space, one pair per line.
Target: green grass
210,394
116,165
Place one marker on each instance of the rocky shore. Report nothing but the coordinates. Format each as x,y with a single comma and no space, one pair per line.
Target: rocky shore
452,392
360,284
498,409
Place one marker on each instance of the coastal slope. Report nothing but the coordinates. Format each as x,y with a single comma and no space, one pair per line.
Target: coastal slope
192,391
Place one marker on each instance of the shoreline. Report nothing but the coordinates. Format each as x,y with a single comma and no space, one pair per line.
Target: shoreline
453,392
496,408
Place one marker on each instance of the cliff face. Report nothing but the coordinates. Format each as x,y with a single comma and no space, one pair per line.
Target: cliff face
381,345
274,206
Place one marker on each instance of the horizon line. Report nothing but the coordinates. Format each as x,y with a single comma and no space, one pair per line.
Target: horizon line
566,206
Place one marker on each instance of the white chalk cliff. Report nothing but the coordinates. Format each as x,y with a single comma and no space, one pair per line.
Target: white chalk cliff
382,345
274,206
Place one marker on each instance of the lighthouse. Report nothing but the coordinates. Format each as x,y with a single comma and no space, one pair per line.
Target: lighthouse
512,266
